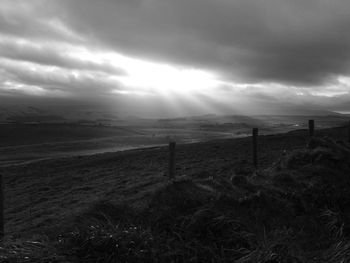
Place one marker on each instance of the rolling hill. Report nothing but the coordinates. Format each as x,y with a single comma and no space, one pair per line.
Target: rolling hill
121,207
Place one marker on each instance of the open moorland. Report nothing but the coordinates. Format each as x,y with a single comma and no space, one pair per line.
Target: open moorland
122,207
32,139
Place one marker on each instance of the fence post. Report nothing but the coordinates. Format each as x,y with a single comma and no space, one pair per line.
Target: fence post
311,128
255,147
172,159
349,132
2,220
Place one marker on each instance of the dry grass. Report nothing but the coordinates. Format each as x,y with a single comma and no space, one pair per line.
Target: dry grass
120,207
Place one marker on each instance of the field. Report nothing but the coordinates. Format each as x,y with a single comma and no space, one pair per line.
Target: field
25,142
218,208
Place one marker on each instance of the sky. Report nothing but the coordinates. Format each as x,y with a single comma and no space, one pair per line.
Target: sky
167,58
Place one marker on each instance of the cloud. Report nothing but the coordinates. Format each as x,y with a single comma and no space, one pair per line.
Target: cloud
178,54
37,19
289,41
78,83
51,54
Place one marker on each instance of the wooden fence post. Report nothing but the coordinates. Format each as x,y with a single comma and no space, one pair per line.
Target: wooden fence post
2,220
255,147
172,159
311,128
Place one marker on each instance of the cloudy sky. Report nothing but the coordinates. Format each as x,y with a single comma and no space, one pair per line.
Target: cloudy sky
156,58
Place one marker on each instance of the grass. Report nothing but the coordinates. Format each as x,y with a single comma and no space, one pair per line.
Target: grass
296,209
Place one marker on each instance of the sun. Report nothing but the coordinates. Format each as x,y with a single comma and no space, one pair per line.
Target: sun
148,76
164,78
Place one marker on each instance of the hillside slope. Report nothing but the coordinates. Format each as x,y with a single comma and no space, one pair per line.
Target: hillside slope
120,206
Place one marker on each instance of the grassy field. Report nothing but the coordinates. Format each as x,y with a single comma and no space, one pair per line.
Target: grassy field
121,207
22,143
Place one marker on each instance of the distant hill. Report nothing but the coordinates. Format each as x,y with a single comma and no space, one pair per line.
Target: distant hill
27,114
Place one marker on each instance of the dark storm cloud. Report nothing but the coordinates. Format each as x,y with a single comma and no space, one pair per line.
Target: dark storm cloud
82,84
289,41
52,55
36,19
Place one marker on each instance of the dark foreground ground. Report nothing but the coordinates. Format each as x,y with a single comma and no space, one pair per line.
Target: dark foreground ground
121,207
